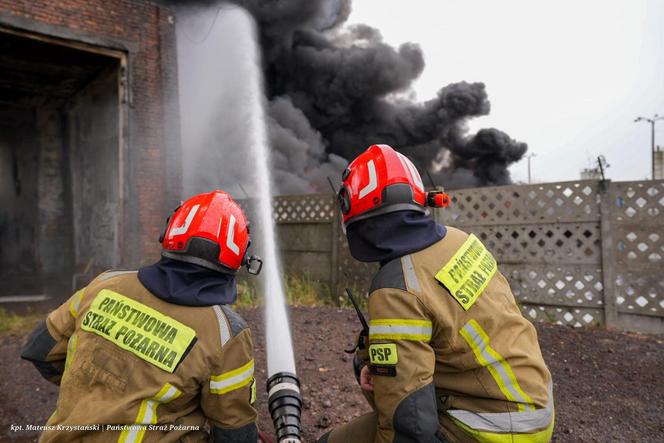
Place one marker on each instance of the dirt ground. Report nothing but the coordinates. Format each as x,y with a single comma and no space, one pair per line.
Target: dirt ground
608,386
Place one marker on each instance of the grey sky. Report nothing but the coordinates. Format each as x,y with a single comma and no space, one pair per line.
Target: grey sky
567,77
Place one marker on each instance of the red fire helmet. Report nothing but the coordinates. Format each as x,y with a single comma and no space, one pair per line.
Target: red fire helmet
209,230
382,180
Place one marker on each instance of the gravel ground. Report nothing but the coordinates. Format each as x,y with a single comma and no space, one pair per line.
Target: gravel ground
607,385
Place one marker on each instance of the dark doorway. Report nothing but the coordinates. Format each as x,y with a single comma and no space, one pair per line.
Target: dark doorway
60,168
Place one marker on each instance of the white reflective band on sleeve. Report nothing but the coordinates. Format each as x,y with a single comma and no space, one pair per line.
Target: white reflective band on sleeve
411,278
400,329
224,329
235,379
507,422
147,413
501,371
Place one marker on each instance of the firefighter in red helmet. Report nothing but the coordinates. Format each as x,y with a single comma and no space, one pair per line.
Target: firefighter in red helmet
157,354
448,356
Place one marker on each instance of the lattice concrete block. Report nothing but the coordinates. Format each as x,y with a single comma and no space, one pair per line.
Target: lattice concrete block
638,201
640,293
563,316
569,243
556,285
550,202
318,208
640,246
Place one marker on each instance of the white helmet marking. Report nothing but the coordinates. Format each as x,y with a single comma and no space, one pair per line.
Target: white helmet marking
373,180
185,227
230,237
405,161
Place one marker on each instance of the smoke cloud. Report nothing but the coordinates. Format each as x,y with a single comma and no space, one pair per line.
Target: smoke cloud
334,89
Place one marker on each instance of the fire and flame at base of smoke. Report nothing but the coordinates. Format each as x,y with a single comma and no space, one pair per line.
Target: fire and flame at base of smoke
331,91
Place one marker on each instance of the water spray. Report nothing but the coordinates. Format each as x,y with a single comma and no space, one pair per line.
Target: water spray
283,386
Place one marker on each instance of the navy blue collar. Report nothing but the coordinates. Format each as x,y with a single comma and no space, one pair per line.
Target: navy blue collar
389,236
188,284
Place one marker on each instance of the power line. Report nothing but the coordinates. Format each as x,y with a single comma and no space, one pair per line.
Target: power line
208,32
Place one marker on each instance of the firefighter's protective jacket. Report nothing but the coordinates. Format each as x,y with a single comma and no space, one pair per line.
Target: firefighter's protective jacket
451,353
125,357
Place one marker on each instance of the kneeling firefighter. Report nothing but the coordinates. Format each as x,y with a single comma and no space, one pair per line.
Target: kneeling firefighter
158,350
448,356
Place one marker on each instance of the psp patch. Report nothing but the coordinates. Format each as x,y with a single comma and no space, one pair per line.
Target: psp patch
468,272
148,334
383,354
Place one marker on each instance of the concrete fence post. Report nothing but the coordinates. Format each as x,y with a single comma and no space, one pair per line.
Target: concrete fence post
607,199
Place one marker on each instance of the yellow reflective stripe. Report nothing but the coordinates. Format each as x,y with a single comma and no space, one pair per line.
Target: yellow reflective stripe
400,329
147,413
134,434
76,302
231,380
500,370
252,391
491,437
508,422
71,350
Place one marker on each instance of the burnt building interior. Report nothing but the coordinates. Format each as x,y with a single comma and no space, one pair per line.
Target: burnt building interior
60,152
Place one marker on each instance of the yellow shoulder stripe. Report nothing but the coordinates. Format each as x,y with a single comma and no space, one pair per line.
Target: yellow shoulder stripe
400,329
231,380
76,302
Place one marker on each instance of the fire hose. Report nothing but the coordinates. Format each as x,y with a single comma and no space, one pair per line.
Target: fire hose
285,406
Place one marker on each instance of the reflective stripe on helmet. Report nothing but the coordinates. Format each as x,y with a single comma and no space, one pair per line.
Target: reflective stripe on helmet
187,222
410,167
230,242
373,180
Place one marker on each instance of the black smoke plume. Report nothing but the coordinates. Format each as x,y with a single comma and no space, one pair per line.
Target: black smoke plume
334,89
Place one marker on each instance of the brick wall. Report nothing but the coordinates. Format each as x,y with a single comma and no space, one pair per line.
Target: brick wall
145,32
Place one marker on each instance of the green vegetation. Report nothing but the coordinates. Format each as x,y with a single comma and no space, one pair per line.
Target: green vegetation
247,295
360,295
11,323
300,291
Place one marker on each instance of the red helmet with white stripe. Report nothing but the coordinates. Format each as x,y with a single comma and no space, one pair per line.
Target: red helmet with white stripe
382,180
209,230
